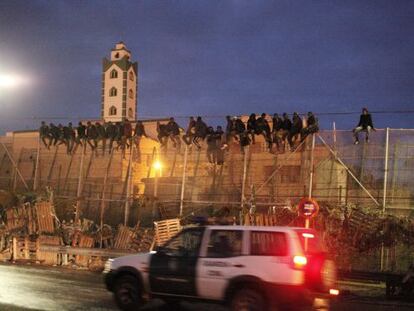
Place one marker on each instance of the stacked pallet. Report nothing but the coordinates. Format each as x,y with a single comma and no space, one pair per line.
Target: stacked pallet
166,229
24,248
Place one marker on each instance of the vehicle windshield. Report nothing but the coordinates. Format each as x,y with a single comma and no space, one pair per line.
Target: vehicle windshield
310,241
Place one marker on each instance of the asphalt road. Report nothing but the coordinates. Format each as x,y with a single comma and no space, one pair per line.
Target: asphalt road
24,287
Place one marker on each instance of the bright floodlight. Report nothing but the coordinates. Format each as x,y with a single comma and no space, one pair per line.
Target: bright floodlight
157,165
9,80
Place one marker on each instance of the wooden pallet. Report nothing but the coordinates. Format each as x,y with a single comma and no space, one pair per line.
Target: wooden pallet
15,218
31,220
84,241
260,220
123,237
48,258
45,217
24,248
166,229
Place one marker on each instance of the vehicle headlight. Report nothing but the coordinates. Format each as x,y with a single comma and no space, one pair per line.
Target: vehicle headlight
108,266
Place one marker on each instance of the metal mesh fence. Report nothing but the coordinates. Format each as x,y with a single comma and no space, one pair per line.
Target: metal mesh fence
344,174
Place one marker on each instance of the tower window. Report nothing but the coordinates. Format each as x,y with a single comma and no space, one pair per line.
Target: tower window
131,76
130,113
117,55
114,74
131,94
113,92
112,111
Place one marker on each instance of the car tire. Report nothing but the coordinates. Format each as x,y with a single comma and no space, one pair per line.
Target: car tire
248,299
128,293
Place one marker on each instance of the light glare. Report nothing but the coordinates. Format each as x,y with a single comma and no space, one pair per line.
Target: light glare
9,81
157,165
334,292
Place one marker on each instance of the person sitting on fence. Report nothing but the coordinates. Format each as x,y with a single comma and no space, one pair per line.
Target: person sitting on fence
127,134
61,134
295,130
111,133
286,126
277,132
119,133
189,133
162,134
365,124
251,127
230,129
80,136
174,133
91,135
100,129
239,127
64,136
263,128
68,134
220,144
211,145
244,139
200,132
44,134
139,131
53,134
312,126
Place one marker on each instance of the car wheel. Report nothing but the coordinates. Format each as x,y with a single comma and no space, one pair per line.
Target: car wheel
128,293
247,299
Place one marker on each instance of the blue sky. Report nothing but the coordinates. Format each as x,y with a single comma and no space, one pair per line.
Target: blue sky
211,58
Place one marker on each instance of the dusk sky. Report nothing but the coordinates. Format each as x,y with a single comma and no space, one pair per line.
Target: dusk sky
211,58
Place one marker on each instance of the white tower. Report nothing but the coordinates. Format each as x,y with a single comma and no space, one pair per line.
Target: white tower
119,86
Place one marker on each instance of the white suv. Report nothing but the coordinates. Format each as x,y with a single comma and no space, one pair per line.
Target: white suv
250,268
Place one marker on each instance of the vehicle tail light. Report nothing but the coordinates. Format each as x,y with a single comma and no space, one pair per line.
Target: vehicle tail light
334,292
299,262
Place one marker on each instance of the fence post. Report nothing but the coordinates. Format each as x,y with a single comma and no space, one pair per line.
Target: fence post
384,195
80,185
128,188
311,167
36,174
108,167
183,181
310,175
243,198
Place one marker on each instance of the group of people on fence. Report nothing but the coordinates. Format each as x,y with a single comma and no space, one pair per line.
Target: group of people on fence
277,131
93,134
282,130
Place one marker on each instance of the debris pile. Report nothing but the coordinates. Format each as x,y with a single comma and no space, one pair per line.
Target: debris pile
33,233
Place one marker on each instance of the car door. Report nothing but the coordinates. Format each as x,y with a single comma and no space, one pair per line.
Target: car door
222,260
173,266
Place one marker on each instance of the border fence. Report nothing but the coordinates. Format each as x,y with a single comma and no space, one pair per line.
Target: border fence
378,174
127,187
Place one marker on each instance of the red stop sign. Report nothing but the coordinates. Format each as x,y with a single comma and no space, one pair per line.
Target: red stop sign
308,208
